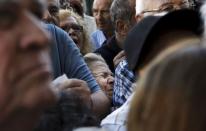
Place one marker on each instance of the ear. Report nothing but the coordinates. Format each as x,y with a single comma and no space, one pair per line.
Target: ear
122,27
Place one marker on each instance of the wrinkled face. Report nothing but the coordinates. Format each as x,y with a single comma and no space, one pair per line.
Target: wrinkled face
101,14
74,30
25,71
52,13
104,77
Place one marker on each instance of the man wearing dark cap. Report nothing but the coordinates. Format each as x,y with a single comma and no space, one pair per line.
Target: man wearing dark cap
157,34
125,77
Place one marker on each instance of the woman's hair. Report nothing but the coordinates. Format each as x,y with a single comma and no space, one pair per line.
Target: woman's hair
64,14
171,95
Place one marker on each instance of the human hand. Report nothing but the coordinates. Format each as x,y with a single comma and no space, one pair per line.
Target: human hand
118,58
74,86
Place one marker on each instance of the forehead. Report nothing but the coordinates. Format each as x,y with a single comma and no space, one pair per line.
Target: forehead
99,67
70,19
102,4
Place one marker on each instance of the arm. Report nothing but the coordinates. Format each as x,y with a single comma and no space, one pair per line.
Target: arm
101,104
73,66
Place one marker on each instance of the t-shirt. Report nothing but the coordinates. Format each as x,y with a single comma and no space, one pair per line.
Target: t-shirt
67,59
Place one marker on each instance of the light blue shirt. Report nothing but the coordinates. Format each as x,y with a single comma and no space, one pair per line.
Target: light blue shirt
98,38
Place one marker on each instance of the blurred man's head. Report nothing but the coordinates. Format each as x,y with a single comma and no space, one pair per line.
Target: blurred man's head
101,14
154,34
51,15
25,71
158,7
122,16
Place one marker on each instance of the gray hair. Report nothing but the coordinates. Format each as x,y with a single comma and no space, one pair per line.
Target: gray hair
91,58
121,9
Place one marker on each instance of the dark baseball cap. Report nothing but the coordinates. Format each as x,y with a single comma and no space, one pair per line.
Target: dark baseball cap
138,41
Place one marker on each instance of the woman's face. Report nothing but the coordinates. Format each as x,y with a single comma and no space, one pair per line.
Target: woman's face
104,77
75,31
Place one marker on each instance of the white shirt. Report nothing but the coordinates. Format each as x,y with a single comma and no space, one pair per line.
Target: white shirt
117,120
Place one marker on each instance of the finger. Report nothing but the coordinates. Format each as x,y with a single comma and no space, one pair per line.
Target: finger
119,55
121,59
117,61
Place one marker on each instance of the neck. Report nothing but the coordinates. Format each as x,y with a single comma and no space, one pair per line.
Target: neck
108,34
120,40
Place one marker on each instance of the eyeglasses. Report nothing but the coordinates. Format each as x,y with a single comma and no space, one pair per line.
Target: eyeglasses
167,7
75,27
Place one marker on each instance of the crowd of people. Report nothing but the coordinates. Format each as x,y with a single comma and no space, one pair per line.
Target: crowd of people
130,65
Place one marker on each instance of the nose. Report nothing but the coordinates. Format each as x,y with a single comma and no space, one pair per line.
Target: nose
33,33
110,80
98,16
